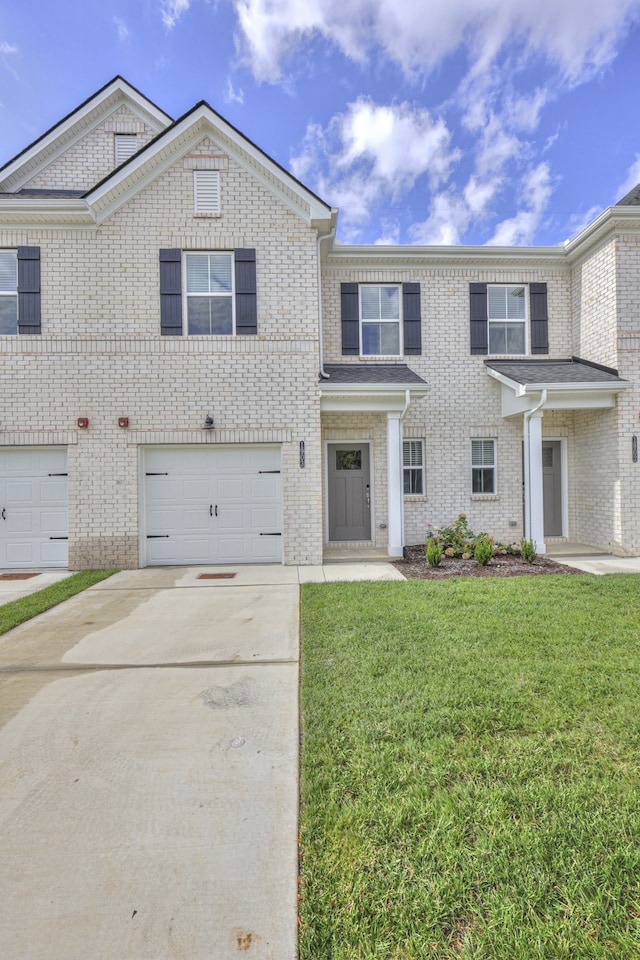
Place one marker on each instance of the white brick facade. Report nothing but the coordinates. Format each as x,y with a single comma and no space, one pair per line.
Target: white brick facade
100,353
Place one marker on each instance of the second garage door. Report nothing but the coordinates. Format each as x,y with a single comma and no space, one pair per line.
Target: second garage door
221,505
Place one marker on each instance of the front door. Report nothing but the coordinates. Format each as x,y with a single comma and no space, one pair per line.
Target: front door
349,487
552,487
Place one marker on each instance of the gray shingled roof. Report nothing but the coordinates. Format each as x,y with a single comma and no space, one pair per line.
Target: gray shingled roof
394,374
632,199
45,194
554,371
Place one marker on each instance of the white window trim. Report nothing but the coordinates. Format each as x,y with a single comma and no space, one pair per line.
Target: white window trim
524,320
398,321
206,193
13,293
484,494
414,467
186,295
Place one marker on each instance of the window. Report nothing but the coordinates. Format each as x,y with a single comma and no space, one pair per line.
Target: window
125,145
8,292
380,320
483,466
507,315
209,288
206,191
413,467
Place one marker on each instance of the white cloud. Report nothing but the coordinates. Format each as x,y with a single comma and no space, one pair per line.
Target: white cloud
578,36
449,217
373,152
632,180
172,10
232,95
122,28
6,49
537,188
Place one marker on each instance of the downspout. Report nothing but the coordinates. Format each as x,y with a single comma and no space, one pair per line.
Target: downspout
323,372
527,506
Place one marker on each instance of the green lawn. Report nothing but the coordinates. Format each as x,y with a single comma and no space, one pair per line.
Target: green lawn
470,769
18,611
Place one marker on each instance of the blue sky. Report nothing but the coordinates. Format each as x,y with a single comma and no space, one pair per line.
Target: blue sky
458,121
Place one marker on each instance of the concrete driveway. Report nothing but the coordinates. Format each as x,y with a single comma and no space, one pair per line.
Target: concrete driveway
148,770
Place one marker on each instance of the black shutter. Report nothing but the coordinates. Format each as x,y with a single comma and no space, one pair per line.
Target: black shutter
171,293
246,299
411,319
539,318
479,318
350,314
29,290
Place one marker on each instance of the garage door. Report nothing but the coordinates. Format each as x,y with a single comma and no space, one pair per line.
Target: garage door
220,505
33,508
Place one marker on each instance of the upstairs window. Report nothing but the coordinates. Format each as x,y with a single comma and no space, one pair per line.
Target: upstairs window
380,320
8,292
483,466
125,145
507,314
413,467
209,289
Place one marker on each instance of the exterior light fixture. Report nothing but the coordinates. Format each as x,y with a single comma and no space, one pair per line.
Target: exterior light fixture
208,423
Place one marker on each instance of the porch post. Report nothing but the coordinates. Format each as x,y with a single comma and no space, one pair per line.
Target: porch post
533,491
395,505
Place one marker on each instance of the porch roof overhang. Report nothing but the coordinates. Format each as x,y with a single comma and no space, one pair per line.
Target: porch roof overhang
370,387
571,384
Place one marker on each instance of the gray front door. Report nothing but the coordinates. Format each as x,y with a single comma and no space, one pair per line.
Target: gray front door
349,491
552,487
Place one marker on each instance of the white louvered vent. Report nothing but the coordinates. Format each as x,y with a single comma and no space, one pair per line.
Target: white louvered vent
206,191
125,145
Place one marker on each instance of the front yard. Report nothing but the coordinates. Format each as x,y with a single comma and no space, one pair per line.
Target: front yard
470,769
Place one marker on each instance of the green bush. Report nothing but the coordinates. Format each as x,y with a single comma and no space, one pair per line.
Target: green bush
434,552
528,550
483,550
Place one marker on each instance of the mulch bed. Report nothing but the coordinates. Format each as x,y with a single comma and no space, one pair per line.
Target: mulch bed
417,568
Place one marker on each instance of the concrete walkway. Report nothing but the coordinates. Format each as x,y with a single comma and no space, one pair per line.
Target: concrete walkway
149,767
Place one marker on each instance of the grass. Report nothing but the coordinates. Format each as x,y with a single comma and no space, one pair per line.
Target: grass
15,612
470,779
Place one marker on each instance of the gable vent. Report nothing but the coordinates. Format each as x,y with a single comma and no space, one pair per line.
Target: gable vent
125,145
206,191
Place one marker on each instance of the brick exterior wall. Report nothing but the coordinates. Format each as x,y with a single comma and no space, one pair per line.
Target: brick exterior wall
101,355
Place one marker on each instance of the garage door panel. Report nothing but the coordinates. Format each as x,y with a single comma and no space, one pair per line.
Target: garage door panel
33,494
196,490
219,495
53,523
53,491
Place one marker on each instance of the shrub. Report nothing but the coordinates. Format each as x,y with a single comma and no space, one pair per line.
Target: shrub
483,550
434,552
528,550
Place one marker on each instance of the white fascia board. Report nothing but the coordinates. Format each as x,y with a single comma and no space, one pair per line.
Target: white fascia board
53,211
184,136
609,220
411,253
63,136
368,398
559,397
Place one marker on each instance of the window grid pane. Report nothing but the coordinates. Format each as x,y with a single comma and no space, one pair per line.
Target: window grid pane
412,461
8,271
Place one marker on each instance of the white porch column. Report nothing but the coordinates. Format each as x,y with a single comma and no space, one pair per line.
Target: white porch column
395,506
533,491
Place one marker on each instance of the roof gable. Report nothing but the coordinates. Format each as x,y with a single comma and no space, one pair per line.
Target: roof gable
71,129
181,137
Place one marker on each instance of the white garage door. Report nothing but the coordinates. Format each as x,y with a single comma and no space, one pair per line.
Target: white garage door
33,508
221,505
